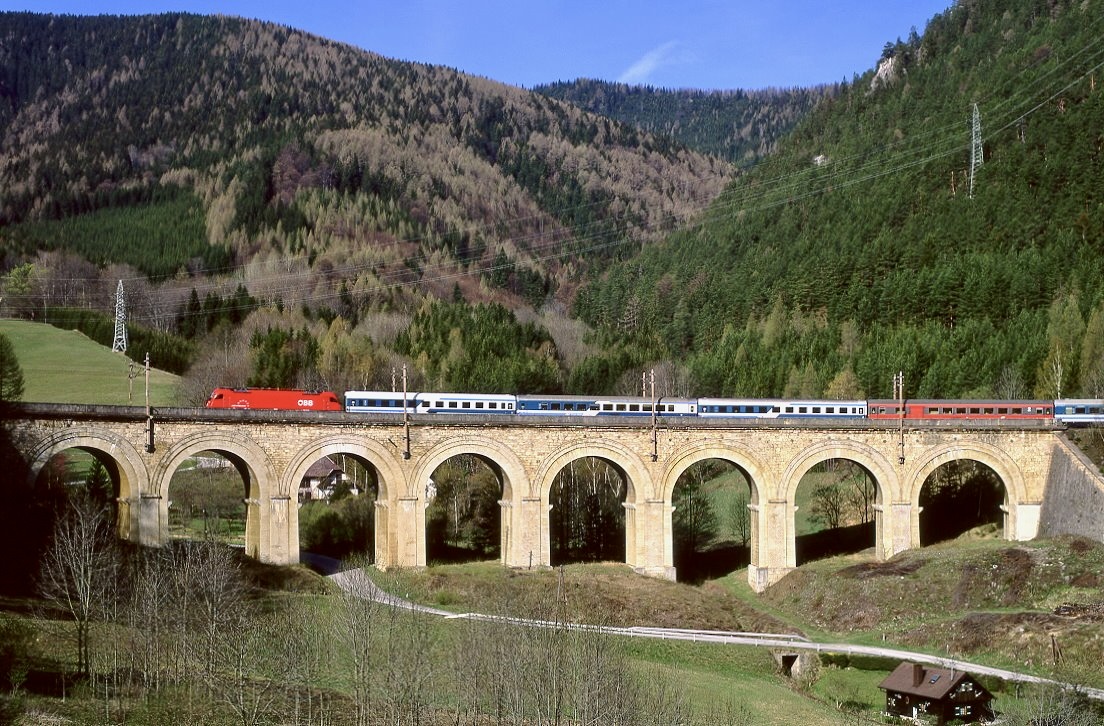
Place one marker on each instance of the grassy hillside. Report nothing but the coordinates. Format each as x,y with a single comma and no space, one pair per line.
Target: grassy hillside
1044,588
987,600
64,366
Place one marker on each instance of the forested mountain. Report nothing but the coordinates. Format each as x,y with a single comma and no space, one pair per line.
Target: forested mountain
312,213
212,152
869,244
738,125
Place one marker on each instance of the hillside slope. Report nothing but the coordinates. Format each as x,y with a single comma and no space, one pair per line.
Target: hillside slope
378,174
989,600
857,250
740,126
64,366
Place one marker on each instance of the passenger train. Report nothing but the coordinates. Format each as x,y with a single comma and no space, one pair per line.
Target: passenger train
1069,411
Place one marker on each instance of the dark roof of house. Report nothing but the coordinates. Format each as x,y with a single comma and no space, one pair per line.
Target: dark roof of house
322,468
925,681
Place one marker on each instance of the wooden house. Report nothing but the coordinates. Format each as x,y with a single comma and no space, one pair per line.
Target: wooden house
935,695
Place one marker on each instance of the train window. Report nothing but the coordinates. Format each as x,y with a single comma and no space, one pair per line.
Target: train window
620,407
647,407
607,406
988,410
466,404
438,404
634,406
479,404
816,409
509,405
543,406
802,409
1002,410
1017,411
975,411
789,409
492,404
452,404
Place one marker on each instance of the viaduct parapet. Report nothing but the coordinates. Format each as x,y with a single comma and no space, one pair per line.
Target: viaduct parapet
273,450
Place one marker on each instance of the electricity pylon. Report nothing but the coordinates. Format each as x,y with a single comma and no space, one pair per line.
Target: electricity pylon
977,153
120,341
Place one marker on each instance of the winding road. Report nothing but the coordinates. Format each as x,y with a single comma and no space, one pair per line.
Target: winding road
358,582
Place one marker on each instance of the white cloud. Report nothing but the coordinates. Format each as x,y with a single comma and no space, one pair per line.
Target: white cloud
659,57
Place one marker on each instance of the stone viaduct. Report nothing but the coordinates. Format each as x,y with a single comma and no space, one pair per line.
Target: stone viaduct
272,450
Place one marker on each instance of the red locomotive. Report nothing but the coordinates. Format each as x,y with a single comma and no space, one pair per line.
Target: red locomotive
274,398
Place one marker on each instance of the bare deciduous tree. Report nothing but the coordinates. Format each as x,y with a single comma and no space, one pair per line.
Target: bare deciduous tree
79,568
829,504
741,518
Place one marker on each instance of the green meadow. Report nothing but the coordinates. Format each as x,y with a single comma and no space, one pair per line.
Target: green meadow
65,366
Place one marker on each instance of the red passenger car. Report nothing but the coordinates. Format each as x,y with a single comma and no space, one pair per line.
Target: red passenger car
939,410
286,399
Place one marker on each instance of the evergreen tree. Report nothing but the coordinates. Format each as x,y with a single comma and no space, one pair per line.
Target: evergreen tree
11,374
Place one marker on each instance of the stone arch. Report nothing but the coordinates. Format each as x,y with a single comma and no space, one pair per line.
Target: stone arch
639,478
267,531
129,463
1006,469
759,475
513,476
760,480
640,493
390,480
886,486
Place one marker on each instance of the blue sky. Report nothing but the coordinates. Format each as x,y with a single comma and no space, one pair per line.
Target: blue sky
708,44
